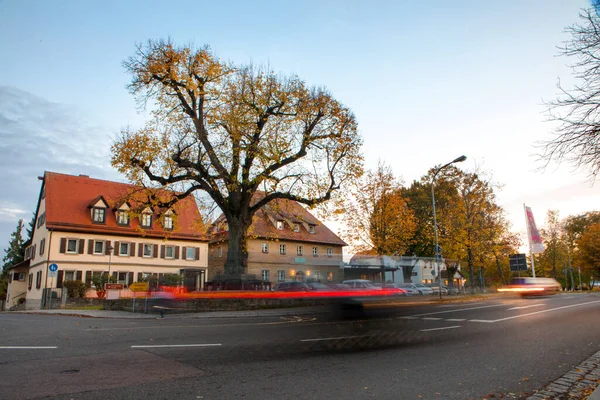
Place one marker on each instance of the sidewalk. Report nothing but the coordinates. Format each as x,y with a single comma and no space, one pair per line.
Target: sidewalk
174,315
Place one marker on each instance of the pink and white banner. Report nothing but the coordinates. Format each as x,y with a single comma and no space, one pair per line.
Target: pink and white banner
535,239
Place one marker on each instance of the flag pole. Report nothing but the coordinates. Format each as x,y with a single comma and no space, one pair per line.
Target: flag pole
529,241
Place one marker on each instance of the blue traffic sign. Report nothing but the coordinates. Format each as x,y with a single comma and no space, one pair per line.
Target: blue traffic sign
53,267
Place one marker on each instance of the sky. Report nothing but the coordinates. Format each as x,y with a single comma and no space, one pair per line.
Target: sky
428,81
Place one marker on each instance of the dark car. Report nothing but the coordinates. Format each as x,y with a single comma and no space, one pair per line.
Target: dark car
318,287
291,287
338,286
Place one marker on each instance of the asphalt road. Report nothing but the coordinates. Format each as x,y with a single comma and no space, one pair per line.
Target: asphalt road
470,350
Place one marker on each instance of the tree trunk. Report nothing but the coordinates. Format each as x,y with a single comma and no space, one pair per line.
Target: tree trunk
499,267
237,249
470,264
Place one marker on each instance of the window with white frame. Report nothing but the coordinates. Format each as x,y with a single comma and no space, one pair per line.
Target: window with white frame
300,250
282,249
265,274
315,251
265,247
169,251
69,276
311,229
146,220
148,250
191,253
280,225
72,245
123,218
317,275
98,246
296,228
168,222
281,275
219,251
123,249
329,252
99,215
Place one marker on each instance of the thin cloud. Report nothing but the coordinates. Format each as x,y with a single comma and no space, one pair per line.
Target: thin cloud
37,135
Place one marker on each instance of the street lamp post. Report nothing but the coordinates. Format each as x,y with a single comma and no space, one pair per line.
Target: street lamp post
110,249
437,247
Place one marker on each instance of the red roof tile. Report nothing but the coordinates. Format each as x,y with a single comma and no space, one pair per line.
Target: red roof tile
290,212
69,198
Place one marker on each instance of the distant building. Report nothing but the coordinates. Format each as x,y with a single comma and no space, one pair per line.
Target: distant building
422,269
89,226
285,242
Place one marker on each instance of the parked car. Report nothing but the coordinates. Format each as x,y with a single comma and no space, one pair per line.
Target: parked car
338,286
362,284
452,290
316,286
396,289
291,287
436,289
425,290
410,288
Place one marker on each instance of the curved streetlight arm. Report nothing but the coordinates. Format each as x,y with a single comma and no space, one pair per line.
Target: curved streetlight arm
436,249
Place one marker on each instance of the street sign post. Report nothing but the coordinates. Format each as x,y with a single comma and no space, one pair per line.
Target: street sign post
518,262
139,287
52,269
113,286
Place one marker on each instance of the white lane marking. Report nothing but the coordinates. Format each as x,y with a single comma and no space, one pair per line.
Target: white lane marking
439,329
176,345
569,297
534,313
408,317
28,347
431,319
457,310
456,319
192,326
332,338
523,307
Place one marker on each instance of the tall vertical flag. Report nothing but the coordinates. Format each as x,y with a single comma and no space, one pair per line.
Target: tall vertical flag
535,239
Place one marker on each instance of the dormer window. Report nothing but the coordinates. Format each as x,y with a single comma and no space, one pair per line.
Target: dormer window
296,228
168,222
311,229
146,218
122,218
98,208
98,215
280,225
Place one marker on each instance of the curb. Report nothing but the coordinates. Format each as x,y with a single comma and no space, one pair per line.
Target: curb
575,384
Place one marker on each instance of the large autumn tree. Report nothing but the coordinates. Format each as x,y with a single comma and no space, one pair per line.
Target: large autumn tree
377,215
470,223
242,135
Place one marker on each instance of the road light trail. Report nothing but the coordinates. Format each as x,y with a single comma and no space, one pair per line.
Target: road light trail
158,346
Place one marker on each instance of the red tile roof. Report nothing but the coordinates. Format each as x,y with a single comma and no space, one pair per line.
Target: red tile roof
69,198
290,212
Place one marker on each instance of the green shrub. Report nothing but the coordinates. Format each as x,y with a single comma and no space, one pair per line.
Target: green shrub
75,288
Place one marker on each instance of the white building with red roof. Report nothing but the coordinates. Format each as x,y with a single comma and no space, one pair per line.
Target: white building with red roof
89,226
